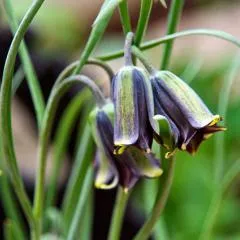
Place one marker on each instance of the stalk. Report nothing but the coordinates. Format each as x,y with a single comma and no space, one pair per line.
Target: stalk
47,123
173,19
146,7
5,113
192,32
31,76
125,18
145,232
118,214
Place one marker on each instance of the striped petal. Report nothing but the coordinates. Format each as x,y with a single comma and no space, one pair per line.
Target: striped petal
190,120
106,176
186,100
129,104
145,162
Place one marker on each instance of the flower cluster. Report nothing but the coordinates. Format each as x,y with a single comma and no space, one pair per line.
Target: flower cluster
146,105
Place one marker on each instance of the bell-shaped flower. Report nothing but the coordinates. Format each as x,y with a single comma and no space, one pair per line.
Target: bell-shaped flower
183,112
124,169
132,96
130,93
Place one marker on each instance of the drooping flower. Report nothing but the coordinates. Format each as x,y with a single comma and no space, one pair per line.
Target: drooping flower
131,125
131,93
112,169
189,119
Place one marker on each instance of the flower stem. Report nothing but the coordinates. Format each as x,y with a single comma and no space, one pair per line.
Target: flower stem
159,205
5,113
125,19
153,43
71,67
127,49
47,124
118,214
17,80
149,190
87,186
217,199
96,34
61,140
173,19
146,7
143,59
211,215
9,233
223,102
87,219
10,206
231,174
219,189
82,160
31,76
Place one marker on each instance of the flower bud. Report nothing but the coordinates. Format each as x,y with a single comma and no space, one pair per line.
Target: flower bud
190,120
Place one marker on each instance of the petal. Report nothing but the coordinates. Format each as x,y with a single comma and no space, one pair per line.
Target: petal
166,105
195,142
105,133
165,132
144,163
127,177
126,123
145,131
213,129
174,130
117,168
106,175
201,135
185,98
149,99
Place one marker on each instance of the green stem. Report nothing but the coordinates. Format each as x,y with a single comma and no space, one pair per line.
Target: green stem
211,215
10,207
224,96
215,205
159,205
71,67
17,80
127,49
8,200
87,186
153,43
5,113
231,174
82,161
96,34
217,199
8,231
146,7
118,214
61,140
87,220
125,18
143,59
173,19
35,89
149,189
47,123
